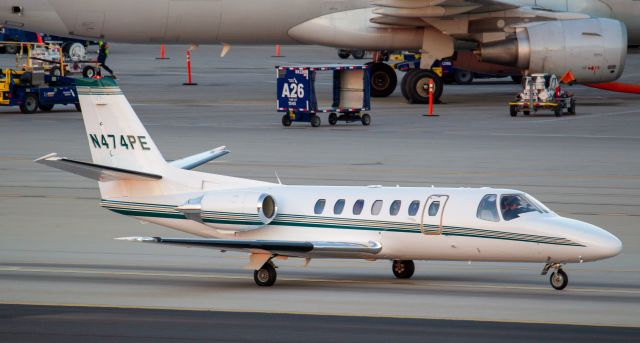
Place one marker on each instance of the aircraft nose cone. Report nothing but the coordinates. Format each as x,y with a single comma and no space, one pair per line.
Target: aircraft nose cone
607,246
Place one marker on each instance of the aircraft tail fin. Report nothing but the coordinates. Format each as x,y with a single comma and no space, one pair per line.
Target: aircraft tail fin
116,136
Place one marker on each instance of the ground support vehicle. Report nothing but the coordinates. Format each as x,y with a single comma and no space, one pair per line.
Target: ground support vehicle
33,90
542,92
52,58
297,94
70,46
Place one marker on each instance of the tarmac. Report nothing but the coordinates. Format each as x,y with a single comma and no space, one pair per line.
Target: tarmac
57,244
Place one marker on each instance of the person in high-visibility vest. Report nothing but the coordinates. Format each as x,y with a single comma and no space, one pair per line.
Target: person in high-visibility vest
103,53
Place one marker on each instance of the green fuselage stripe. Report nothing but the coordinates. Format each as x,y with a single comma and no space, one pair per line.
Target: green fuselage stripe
230,218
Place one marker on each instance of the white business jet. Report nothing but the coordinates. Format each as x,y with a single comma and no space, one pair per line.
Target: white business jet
275,221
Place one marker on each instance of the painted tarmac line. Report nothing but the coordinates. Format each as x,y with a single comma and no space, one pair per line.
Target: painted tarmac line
318,280
310,313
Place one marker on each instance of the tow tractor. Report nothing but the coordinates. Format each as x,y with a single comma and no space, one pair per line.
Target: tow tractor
542,92
33,89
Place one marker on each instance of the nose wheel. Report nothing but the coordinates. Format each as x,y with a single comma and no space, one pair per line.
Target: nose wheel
558,279
403,269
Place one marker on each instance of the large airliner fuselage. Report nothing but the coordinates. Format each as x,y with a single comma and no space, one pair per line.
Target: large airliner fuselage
232,21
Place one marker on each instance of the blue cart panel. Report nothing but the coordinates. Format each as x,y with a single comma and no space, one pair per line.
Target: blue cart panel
296,93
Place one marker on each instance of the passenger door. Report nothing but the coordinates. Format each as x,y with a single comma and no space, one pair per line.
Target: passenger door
432,214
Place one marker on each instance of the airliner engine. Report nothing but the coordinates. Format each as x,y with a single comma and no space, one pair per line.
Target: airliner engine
593,50
238,210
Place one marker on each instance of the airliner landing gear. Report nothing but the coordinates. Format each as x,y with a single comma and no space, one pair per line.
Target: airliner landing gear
403,269
558,278
266,275
415,86
383,79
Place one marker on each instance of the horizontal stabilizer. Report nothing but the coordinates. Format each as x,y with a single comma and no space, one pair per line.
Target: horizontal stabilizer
287,248
197,160
94,171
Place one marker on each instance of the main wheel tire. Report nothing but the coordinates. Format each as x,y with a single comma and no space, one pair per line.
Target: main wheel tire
513,110
45,107
558,111
358,54
383,79
344,54
417,87
333,119
286,120
572,107
55,72
11,49
403,269
404,82
30,104
265,276
526,112
88,71
315,121
559,279
366,119
516,79
74,50
463,77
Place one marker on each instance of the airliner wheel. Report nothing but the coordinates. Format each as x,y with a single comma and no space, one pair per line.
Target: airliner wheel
417,86
265,276
383,79
559,279
403,269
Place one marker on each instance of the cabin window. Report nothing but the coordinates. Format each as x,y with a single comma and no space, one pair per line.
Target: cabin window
513,205
488,208
376,207
414,207
319,208
433,208
358,206
338,207
395,207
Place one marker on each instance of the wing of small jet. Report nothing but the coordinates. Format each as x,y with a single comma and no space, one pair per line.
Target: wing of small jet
284,248
197,160
94,171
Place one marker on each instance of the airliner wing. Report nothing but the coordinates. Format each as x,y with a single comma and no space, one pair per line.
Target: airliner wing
283,248
437,8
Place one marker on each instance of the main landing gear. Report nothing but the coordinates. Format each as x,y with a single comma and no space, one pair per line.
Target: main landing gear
266,275
558,278
403,269
415,86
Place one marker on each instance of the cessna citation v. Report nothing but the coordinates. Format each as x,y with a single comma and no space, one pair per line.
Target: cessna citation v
275,221
583,39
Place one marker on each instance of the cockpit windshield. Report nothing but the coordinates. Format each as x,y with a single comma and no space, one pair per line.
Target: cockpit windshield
513,205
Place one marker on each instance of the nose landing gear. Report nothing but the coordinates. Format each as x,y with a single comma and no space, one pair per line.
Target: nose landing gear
558,279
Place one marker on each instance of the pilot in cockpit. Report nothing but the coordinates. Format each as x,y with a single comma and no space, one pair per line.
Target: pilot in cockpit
510,207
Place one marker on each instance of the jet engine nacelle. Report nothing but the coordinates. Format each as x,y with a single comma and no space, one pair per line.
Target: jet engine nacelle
232,210
594,50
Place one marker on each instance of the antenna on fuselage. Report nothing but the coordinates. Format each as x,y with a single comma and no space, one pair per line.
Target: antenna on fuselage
277,177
